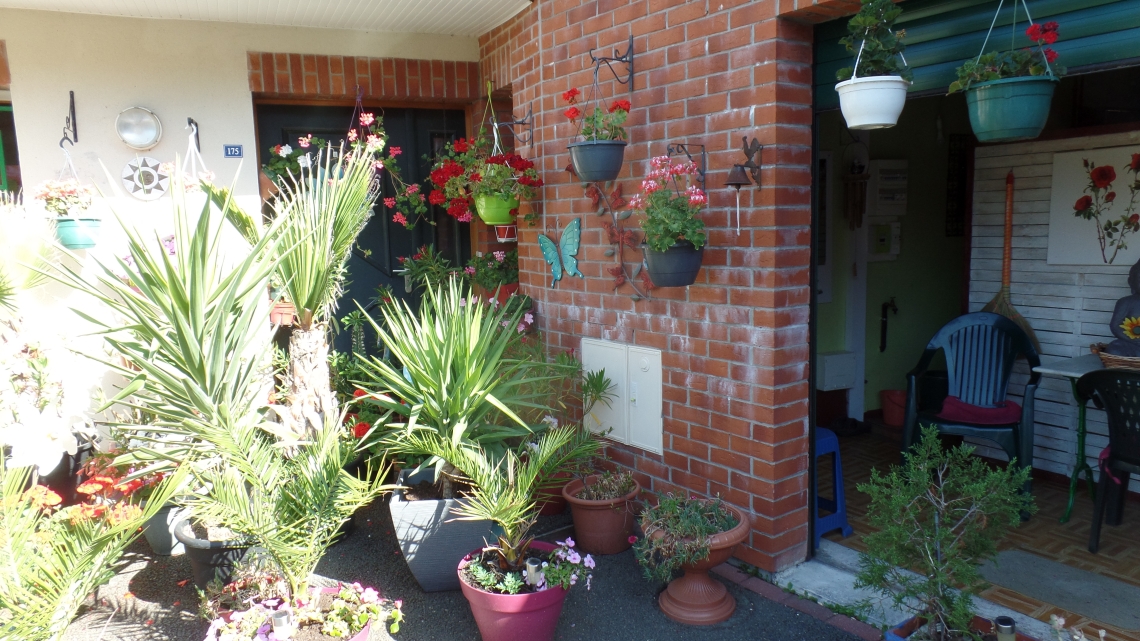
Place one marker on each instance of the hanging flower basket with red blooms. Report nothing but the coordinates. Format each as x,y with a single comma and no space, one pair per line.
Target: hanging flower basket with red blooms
598,157
470,174
1008,93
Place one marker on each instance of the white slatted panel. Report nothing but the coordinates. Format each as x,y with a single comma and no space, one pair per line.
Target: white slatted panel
1068,306
447,17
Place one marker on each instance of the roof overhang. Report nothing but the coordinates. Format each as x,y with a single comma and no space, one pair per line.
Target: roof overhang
444,17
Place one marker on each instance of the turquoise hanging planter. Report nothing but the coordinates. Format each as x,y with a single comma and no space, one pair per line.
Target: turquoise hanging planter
1011,108
77,233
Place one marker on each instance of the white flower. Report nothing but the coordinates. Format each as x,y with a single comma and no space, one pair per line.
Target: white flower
284,150
39,439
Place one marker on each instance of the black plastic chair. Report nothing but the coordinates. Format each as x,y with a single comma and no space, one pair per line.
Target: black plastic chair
1117,392
980,350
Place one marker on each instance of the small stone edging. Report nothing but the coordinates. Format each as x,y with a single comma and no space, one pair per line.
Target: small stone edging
811,608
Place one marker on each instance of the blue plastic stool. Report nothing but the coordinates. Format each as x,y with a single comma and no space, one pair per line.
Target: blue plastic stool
826,442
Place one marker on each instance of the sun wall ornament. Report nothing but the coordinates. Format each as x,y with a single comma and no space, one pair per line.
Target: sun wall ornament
144,178
567,248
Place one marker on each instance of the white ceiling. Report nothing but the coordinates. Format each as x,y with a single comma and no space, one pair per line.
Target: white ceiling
447,17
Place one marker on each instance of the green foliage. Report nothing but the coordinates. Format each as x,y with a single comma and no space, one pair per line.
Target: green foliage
428,269
599,124
51,561
495,269
1036,60
505,486
322,216
684,525
671,209
940,514
608,486
450,370
507,583
872,28
286,161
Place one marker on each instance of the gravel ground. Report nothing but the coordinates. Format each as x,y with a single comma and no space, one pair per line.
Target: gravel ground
145,602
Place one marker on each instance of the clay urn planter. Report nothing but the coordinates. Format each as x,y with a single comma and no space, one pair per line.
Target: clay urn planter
696,598
282,313
529,616
550,500
601,527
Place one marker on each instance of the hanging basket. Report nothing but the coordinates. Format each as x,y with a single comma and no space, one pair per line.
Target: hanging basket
507,233
597,160
496,210
77,233
1011,108
675,267
873,102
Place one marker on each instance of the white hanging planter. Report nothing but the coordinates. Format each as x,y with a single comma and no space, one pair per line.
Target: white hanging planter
874,102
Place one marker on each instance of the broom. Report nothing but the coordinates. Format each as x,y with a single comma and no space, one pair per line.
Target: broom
1001,303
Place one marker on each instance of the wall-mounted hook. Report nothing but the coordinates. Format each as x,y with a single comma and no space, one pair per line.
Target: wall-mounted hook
525,134
676,148
193,125
70,128
625,59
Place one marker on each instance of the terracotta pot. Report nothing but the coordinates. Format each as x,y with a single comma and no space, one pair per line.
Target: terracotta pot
550,500
514,617
282,313
504,291
601,527
906,628
507,233
696,598
266,187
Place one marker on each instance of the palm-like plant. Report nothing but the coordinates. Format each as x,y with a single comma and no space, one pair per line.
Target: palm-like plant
449,372
321,215
49,564
505,486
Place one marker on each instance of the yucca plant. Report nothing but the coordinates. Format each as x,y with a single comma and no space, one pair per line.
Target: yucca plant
26,247
321,214
449,372
505,486
51,561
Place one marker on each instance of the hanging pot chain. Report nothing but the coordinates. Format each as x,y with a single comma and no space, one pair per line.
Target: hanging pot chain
1028,18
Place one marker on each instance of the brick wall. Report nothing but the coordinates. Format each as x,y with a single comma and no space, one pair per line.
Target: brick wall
735,344
297,75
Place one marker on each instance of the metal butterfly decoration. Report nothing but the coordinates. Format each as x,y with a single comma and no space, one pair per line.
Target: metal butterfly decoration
567,248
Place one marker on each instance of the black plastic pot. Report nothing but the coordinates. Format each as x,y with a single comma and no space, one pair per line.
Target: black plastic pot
597,160
676,266
209,559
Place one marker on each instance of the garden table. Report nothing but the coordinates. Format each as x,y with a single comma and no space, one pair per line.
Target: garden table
1072,369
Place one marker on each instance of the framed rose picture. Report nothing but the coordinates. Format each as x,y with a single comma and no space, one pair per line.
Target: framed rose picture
1094,213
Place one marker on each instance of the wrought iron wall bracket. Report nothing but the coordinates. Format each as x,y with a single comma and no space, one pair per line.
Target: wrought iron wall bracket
525,133
677,148
609,61
70,128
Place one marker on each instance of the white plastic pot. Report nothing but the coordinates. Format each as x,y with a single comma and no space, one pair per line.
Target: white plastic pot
874,102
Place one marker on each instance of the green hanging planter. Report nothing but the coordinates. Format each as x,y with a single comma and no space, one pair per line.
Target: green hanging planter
1011,108
495,210
77,233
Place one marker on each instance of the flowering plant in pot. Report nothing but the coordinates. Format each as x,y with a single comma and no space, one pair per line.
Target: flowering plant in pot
515,585
938,515
68,200
477,173
497,273
872,92
674,235
598,156
690,534
1008,93
602,506
140,484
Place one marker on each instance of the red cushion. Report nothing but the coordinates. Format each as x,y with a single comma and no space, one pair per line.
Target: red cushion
956,411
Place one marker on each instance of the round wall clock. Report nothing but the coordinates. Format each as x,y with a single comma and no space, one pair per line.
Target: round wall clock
144,179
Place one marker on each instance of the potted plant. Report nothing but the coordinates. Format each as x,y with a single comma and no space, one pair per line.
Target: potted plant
476,173
426,269
68,199
674,235
937,517
1008,93
159,528
287,164
213,551
598,156
602,506
872,92
692,535
516,585
447,374
497,273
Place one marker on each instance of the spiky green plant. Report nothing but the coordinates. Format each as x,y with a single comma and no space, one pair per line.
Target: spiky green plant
322,214
505,486
50,563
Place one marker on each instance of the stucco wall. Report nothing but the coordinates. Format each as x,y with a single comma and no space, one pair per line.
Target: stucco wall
178,69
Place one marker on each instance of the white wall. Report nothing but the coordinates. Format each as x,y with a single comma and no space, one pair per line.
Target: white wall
1068,306
174,68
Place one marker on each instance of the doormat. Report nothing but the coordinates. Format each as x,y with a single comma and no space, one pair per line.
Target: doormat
1080,591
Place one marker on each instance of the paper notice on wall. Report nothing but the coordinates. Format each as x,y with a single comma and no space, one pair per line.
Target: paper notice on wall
887,190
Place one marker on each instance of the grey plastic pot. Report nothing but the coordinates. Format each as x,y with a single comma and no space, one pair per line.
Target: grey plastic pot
431,540
597,160
209,559
159,530
675,267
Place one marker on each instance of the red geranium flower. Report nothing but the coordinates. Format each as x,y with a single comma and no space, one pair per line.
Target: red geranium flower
1102,176
1083,203
358,393
1051,27
41,497
350,418
1034,32
360,429
1050,55
461,146
437,198
569,96
1049,37
572,113
457,207
624,105
476,177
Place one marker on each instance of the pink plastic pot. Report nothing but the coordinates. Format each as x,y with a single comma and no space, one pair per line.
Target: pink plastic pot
512,617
